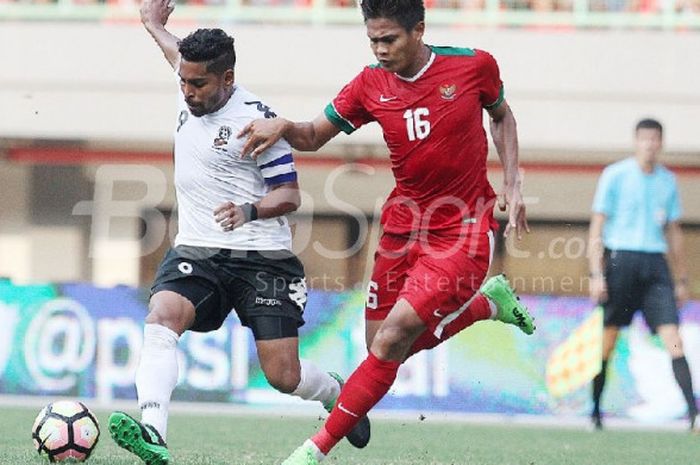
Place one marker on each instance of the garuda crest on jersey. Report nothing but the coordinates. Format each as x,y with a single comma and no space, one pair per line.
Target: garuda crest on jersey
448,91
224,135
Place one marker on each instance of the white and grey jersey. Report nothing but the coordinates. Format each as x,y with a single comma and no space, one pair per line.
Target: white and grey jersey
209,171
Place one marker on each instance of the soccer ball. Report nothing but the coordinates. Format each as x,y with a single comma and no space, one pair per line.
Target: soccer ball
65,430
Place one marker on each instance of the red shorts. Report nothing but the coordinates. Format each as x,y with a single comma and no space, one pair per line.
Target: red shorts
438,276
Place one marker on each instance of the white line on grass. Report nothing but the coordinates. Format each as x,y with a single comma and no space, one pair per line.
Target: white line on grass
312,410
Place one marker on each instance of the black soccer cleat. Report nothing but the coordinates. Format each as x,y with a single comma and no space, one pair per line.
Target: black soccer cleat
360,435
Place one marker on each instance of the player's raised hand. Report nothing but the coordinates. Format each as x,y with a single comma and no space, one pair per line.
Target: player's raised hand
262,134
229,216
511,199
156,11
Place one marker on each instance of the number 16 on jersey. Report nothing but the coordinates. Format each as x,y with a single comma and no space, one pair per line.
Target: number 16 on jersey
416,124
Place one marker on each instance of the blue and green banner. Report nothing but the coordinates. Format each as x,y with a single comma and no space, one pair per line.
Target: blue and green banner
81,340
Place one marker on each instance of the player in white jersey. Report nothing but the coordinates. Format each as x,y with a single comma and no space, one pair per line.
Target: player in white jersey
232,250
209,172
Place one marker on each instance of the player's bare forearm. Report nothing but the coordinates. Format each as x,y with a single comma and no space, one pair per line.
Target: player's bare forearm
302,136
595,245
504,132
154,16
505,137
280,201
676,249
306,136
598,288
311,135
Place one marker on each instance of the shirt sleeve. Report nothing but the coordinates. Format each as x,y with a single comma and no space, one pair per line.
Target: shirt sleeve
604,199
347,111
491,87
277,164
675,210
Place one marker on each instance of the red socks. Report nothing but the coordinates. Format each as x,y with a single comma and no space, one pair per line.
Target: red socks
373,378
478,310
365,387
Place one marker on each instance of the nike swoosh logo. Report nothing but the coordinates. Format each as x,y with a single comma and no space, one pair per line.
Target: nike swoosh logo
386,99
438,314
343,409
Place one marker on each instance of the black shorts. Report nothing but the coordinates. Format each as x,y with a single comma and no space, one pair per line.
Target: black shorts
266,289
639,281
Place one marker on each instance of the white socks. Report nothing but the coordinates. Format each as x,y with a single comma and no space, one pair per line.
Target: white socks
317,385
156,375
317,452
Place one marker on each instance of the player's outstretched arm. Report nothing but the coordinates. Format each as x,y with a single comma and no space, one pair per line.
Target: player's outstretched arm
505,137
281,200
307,136
154,16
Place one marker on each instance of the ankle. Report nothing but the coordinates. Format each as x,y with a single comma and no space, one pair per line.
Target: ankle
323,442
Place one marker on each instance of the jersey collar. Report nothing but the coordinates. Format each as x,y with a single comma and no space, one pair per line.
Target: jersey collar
421,72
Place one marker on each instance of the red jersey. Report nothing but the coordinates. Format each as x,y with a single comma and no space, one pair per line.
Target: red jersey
433,127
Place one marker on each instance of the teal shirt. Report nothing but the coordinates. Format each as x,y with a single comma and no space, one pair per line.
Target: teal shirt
637,206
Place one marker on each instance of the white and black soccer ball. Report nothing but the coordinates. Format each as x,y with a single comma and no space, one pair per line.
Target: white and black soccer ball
65,430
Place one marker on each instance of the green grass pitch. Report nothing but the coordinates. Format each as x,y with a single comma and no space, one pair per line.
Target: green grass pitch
197,439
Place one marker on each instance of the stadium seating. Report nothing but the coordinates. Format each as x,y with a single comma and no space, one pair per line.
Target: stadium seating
685,7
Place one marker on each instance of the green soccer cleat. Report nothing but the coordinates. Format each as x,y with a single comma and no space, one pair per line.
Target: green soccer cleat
303,455
360,434
140,439
510,310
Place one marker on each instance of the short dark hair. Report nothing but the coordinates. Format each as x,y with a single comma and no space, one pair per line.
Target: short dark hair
212,46
649,123
407,13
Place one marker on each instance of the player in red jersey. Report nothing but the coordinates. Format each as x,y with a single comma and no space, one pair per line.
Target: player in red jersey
438,223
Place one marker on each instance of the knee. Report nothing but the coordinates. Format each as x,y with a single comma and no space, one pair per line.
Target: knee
390,343
283,380
674,345
671,337
172,312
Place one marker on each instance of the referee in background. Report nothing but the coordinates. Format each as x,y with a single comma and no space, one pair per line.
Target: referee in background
635,224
